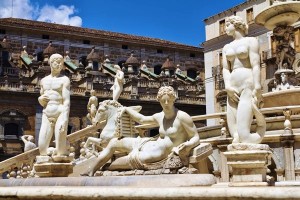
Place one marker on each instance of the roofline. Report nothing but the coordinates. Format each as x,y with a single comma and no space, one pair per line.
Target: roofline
107,35
230,9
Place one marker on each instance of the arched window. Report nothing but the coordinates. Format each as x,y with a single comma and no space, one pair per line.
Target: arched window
11,130
192,73
157,69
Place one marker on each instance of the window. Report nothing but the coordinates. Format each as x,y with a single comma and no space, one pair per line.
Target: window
157,69
95,66
192,55
221,61
86,42
124,46
191,73
159,51
250,18
2,31
222,27
11,131
46,37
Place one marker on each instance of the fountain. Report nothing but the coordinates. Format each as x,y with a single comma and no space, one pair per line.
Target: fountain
280,17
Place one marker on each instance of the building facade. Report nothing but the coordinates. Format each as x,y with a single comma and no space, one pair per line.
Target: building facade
216,39
89,57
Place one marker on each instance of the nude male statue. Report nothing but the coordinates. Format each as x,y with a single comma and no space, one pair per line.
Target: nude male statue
55,99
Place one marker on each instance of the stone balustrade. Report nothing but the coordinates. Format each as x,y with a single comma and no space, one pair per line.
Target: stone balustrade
15,165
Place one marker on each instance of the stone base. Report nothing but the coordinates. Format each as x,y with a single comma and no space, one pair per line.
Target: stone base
248,162
53,169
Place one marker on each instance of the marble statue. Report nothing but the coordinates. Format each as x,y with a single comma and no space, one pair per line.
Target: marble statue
92,106
117,87
241,72
28,142
55,99
108,110
284,83
24,52
177,136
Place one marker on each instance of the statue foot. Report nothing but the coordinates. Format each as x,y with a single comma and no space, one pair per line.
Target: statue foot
87,173
236,140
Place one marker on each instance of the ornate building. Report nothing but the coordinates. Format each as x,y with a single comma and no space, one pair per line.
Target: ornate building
89,58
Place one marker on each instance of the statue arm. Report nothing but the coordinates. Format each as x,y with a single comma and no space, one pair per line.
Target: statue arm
43,99
66,98
190,129
120,76
24,138
225,71
255,62
231,92
138,117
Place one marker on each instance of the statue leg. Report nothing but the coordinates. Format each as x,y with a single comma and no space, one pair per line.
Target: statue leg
231,120
61,128
115,144
45,135
245,118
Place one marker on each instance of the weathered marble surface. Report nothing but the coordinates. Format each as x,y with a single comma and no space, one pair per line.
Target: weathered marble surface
248,162
112,193
177,137
55,99
241,72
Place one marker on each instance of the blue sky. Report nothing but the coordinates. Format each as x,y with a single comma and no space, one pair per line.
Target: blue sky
174,20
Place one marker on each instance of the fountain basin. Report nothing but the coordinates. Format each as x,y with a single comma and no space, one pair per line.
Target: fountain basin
287,97
284,13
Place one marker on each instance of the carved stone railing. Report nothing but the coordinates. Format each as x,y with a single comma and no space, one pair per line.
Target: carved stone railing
286,116
27,158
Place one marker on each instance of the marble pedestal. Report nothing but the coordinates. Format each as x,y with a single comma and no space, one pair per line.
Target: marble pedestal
56,166
248,162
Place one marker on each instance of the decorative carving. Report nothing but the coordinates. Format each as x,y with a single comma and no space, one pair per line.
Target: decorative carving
139,152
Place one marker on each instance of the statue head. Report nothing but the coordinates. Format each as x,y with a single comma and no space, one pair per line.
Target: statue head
238,23
284,77
30,138
166,90
56,62
117,67
106,109
93,92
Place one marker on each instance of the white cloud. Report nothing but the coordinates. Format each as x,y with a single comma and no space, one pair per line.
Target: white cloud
60,15
25,9
18,9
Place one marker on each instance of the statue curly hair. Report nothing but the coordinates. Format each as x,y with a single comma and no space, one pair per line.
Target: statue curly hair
238,23
166,90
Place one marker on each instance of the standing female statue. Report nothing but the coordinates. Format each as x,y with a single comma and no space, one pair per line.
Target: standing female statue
117,87
241,72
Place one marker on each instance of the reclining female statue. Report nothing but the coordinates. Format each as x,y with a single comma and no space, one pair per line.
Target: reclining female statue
177,134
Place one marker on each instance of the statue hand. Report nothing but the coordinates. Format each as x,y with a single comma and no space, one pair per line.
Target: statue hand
178,150
257,97
233,94
43,100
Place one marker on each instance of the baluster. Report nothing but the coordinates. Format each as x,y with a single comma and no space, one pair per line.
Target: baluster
287,123
224,132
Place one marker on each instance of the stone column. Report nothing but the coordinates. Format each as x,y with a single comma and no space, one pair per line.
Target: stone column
287,142
224,166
